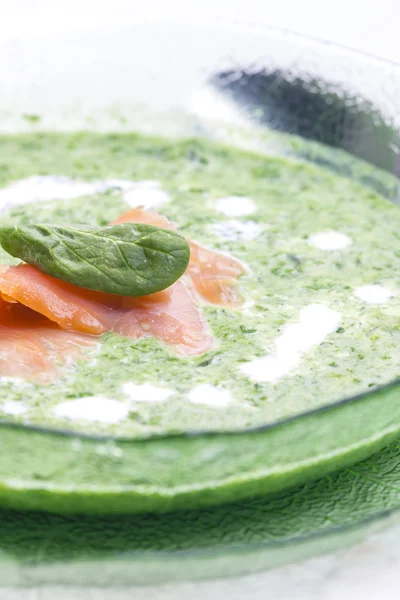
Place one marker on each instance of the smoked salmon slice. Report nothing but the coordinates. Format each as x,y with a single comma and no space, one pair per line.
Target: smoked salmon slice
71,307
45,321
171,316
213,274
33,347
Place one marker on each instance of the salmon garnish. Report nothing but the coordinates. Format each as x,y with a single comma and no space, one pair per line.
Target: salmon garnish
45,321
72,307
171,316
33,347
148,217
213,274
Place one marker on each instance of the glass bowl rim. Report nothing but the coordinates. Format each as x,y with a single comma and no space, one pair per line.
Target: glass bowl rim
251,28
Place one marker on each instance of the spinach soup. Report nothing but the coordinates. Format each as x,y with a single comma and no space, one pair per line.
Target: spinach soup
304,264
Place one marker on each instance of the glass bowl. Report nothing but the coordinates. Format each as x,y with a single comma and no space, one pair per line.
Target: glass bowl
231,83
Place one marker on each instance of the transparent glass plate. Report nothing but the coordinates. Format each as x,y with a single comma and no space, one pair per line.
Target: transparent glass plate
237,84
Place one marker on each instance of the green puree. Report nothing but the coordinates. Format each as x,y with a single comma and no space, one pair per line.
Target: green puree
294,200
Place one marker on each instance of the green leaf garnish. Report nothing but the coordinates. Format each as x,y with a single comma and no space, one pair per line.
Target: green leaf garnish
130,259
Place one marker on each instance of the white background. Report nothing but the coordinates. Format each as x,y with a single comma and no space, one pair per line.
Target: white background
369,25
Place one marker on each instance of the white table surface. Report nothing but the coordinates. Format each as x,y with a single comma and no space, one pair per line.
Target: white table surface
368,25
370,570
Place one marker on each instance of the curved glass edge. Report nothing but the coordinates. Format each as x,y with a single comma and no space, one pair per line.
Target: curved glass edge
57,550
63,474
145,569
176,118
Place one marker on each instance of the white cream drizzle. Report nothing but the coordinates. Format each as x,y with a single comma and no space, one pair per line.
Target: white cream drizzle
237,230
235,206
145,392
329,240
316,322
373,294
210,395
11,407
55,187
92,408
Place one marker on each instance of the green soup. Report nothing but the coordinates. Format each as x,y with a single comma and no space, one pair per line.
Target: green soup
322,284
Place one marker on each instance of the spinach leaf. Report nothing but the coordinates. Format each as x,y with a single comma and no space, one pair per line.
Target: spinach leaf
130,259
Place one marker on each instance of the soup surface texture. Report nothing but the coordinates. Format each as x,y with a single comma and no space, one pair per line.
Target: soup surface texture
321,288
